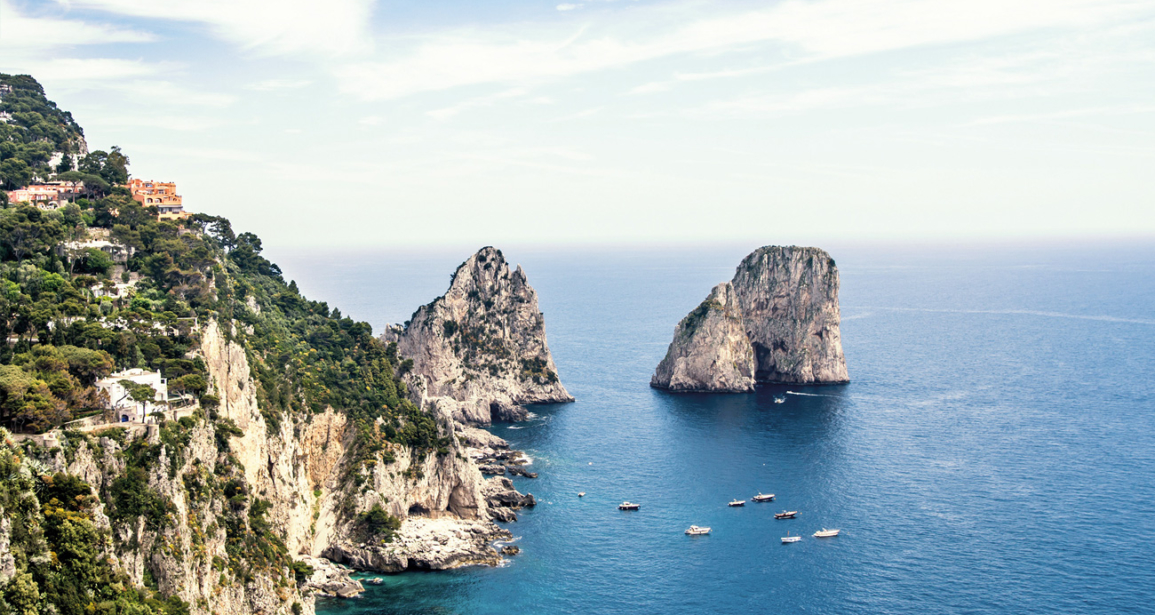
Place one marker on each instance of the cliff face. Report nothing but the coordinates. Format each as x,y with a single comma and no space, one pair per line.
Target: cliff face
781,307
233,499
710,351
482,345
789,301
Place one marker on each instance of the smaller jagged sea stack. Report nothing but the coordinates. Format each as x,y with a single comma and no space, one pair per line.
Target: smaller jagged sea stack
777,321
481,347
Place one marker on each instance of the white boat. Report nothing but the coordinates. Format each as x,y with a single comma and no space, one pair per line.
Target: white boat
581,494
780,400
375,580
737,502
764,497
628,506
698,531
825,533
788,538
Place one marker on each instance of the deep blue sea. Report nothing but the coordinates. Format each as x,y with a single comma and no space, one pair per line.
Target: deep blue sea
995,452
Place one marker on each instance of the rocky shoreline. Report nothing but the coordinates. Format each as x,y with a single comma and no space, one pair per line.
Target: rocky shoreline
426,544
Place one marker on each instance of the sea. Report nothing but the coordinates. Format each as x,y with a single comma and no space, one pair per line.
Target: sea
994,452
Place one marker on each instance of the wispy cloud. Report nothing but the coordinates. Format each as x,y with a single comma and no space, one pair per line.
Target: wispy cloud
269,85
1064,114
480,101
80,73
179,123
824,29
328,27
25,32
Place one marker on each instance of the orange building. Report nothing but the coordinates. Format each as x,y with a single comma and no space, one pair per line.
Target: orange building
161,195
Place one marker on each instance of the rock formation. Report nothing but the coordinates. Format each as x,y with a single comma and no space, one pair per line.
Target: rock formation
311,495
479,351
777,321
710,351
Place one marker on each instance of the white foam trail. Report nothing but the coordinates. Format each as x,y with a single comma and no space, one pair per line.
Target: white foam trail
811,394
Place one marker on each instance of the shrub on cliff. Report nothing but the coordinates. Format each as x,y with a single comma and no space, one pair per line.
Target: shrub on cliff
376,524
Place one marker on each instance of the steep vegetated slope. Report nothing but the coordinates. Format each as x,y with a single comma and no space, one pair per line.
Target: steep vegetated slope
288,432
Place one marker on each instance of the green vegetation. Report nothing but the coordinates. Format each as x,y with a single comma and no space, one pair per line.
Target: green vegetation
36,130
73,313
693,320
378,525
537,370
58,550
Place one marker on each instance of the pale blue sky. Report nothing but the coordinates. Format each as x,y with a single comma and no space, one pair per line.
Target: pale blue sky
358,123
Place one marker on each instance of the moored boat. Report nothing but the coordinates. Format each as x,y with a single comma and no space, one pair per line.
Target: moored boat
628,506
375,580
737,502
780,400
764,497
825,533
788,538
698,531
786,514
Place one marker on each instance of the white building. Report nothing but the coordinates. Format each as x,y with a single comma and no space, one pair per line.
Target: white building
126,409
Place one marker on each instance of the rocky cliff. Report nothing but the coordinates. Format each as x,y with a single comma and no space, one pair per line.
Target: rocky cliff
710,351
233,501
480,350
781,308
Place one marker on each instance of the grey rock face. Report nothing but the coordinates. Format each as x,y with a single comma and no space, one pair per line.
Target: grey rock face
425,544
481,347
331,579
710,351
789,301
777,321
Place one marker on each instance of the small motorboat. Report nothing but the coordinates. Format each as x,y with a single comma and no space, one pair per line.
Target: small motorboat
698,531
764,497
789,539
825,533
737,502
780,400
628,506
786,514
375,581
581,494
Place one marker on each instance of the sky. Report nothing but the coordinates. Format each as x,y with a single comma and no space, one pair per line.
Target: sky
365,123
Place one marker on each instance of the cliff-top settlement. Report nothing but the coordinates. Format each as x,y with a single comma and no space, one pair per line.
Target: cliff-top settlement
777,321
184,433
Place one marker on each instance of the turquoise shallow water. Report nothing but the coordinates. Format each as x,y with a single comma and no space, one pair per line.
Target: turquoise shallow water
995,452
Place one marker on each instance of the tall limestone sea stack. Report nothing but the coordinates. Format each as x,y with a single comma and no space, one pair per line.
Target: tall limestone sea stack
479,351
777,321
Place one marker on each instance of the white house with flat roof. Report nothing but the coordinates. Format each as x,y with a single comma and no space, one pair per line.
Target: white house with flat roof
125,408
